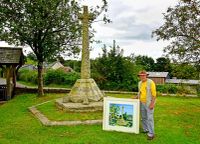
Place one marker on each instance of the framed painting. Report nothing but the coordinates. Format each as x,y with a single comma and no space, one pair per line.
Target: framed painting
121,114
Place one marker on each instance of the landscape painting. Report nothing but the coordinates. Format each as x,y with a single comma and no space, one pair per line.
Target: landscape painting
121,115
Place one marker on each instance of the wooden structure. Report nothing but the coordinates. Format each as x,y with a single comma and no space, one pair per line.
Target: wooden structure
11,59
158,77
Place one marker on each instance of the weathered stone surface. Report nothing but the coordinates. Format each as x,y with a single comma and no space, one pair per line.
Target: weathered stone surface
79,107
84,91
85,62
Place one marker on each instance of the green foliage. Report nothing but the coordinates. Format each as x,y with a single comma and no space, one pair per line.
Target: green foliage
74,64
60,77
176,89
51,77
198,90
167,88
182,27
45,26
184,71
28,76
145,61
112,71
163,65
48,27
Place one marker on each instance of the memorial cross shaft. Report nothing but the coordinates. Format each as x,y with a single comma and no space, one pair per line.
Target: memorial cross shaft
85,65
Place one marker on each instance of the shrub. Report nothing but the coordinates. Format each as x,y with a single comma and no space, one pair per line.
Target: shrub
60,77
28,76
167,88
198,90
175,89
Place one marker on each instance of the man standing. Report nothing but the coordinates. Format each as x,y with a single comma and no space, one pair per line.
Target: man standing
147,96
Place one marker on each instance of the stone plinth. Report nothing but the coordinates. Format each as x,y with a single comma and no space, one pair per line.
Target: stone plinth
79,107
84,91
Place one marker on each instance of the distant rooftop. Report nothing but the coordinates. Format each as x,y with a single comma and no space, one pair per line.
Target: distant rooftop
158,74
183,81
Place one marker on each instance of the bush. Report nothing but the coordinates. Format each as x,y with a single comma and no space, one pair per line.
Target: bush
198,90
60,77
167,88
175,89
28,76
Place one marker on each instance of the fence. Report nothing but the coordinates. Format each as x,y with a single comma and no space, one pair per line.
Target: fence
3,92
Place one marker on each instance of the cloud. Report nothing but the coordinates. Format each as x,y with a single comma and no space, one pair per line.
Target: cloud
133,23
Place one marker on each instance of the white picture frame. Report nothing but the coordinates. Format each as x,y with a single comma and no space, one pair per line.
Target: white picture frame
121,114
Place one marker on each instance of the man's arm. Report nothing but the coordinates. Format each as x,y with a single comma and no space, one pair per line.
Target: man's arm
153,93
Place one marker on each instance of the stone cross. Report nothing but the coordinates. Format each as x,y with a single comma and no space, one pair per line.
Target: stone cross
85,65
85,90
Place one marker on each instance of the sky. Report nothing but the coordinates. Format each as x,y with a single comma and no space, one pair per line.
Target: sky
132,24
127,108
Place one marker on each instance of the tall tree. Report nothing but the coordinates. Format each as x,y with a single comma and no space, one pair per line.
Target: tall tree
115,71
163,64
182,27
49,27
184,71
145,61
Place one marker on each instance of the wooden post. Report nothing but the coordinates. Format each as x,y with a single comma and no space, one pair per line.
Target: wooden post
8,82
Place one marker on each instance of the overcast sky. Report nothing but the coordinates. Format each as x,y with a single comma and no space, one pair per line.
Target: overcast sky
132,24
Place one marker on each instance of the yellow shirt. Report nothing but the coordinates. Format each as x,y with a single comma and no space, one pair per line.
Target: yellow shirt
143,91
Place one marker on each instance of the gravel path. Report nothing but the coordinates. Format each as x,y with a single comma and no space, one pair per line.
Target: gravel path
3,82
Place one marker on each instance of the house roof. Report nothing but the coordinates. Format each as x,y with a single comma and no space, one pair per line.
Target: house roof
183,81
158,74
29,65
46,65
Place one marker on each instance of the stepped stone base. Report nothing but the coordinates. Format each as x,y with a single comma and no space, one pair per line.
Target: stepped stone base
79,107
84,91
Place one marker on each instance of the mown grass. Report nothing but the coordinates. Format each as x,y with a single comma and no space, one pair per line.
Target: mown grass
53,113
177,121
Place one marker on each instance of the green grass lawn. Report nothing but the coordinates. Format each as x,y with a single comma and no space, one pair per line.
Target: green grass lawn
53,113
177,121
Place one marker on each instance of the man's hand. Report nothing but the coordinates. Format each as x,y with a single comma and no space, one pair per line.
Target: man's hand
151,106
135,97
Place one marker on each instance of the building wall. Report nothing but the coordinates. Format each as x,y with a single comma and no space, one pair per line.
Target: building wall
57,66
158,80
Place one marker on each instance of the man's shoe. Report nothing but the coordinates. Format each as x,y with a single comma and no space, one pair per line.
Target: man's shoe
150,137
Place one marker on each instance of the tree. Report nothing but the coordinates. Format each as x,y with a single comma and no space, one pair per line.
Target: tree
145,61
184,71
113,71
182,27
49,27
163,64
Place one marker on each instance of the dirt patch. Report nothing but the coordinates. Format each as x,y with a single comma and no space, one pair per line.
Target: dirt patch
2,102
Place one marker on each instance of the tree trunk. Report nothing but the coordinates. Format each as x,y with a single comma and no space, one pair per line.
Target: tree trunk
40,79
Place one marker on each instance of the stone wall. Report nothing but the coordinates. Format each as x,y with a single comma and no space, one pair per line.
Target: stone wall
20,90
